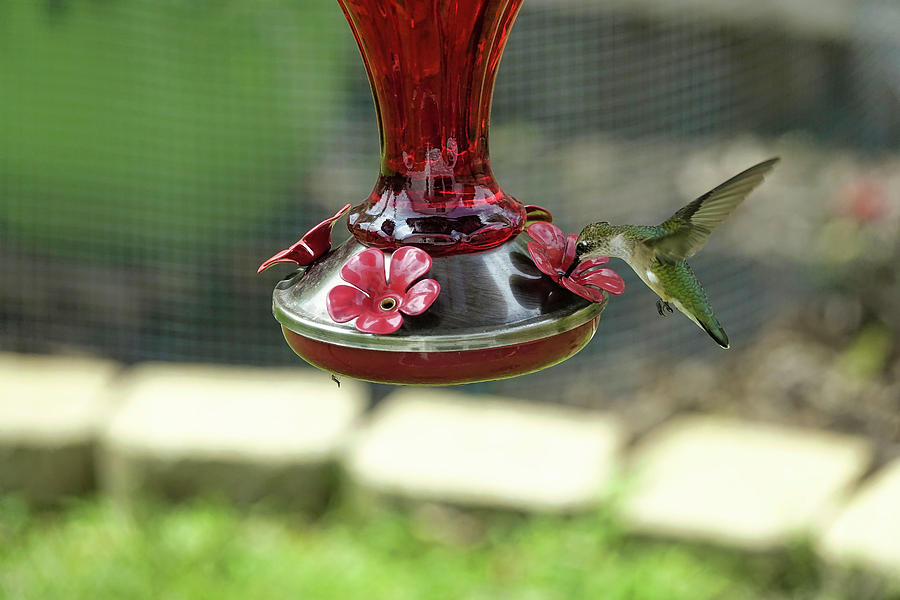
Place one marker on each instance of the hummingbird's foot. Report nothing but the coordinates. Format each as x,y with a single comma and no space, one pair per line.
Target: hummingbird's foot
660,305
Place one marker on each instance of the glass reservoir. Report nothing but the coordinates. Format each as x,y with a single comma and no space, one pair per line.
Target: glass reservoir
432,66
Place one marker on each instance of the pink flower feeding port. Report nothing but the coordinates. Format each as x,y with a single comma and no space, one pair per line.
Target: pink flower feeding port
553,252
315,244
439,282
377,303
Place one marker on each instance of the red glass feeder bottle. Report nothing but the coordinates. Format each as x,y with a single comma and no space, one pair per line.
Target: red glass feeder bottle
463,300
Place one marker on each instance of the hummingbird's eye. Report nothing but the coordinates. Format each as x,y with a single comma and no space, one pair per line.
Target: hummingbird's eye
581,248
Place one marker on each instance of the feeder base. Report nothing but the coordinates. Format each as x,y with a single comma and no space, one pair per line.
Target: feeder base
496,316
441,368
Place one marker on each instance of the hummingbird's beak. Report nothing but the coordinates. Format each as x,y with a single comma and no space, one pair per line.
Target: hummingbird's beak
573,265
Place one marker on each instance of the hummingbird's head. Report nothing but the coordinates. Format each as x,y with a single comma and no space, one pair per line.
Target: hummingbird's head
593,241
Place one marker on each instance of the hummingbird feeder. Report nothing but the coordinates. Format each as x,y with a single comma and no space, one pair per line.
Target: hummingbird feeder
446,279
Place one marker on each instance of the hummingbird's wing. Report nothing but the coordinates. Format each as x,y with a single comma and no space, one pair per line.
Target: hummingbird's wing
687,230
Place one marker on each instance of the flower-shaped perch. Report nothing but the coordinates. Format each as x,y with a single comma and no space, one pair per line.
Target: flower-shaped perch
553,252
311,246
376,302
535,214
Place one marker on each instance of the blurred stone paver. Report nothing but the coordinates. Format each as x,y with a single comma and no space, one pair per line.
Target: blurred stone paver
243,433
51,408
745,485
867,531
485,451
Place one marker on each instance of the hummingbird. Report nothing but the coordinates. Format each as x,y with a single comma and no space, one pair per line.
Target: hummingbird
658,253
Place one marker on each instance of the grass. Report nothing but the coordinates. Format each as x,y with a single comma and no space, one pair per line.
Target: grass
207,550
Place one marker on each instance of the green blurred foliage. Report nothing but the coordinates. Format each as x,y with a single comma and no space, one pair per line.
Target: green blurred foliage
204,550
159,126
867,356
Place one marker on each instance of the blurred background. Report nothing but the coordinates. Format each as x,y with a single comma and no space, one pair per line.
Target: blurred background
154,152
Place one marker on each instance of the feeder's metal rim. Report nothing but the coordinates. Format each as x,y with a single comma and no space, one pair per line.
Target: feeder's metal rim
527,331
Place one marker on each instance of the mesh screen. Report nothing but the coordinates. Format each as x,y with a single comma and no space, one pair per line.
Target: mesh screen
153,152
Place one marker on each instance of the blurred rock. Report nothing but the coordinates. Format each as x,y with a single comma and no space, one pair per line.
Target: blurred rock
485,451
867,531
242,433
749,486
51,409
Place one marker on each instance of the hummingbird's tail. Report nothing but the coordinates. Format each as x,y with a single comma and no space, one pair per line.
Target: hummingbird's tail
715,331
684,290
705,319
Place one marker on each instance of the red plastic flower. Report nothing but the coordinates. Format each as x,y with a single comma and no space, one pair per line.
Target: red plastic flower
311,246
535,214
377,303
553,252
